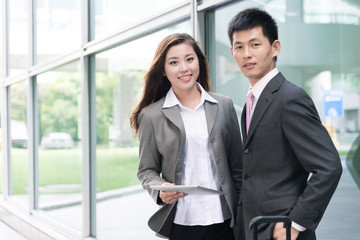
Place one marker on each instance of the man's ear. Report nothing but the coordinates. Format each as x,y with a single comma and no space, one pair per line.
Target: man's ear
276,46
232,52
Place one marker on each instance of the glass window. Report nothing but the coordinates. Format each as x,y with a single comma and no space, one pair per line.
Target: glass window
59,147
119,80
18,35
333,11
58,28
112,16
318,54
19,137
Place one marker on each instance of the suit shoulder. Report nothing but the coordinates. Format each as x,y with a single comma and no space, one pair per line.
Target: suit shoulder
154,108
220,97
291,90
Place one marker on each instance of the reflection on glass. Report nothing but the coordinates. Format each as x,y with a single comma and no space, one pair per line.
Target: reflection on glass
59,146
58,28
18,133
119,81
114,15
332,12
18,35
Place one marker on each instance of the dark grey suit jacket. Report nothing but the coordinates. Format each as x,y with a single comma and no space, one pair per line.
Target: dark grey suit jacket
162,141
286,142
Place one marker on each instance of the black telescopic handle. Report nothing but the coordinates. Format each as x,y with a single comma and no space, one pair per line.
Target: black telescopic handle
254,223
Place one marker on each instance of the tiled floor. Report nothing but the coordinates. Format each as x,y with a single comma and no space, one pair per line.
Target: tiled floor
8,233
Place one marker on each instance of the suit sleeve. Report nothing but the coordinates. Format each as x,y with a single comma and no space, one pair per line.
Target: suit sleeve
316,153
150,159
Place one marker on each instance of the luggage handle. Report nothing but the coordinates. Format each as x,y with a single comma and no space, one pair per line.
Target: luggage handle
254,223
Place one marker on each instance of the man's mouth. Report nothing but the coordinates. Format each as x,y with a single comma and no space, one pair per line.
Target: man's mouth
249,65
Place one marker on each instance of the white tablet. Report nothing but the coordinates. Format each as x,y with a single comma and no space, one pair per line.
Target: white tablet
188,189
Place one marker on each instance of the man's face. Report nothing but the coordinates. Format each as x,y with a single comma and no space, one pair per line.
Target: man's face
253,53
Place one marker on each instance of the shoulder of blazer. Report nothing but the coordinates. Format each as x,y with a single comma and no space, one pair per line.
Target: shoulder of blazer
154,108
275,83
218,97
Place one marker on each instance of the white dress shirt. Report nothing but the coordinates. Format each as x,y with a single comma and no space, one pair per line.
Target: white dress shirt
257,90
199,166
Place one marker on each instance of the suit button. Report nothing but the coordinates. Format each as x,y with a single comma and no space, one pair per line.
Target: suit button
212,140
246,177
246,151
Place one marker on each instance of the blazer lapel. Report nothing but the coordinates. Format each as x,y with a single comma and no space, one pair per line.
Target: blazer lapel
174,116
266,98
211,110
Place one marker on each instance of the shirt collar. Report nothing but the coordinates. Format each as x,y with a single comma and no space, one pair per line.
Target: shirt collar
171,99
260,85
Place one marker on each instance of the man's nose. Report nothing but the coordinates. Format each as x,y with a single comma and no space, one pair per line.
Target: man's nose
247,53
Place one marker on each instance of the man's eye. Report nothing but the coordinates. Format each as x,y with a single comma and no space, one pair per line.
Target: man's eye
238,47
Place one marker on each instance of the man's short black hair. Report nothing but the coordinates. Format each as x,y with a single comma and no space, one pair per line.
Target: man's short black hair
251,18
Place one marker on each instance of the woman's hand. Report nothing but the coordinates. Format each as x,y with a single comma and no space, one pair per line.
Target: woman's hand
170,197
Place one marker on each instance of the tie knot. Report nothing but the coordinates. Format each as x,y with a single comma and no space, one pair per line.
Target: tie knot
250,96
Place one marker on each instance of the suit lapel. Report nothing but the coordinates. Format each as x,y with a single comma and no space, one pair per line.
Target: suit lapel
211,110
266,98
174,116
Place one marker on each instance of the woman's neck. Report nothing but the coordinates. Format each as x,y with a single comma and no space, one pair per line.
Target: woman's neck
190,98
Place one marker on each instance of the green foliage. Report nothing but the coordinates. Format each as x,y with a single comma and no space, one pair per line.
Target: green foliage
18,101
59,105
116,168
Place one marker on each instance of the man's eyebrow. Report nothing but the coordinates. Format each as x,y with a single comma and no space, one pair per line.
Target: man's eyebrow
251,40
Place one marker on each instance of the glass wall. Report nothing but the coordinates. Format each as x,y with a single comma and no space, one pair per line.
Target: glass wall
58,28
18,36
19,138
119,81
59,153
112,16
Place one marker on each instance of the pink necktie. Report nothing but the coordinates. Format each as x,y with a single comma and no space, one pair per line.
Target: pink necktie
249,104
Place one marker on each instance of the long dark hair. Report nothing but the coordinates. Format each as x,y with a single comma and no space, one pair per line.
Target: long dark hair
157,85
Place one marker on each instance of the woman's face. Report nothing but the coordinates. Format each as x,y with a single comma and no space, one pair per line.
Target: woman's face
182,67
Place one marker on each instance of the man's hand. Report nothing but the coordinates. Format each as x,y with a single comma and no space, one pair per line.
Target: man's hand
170,197
280,232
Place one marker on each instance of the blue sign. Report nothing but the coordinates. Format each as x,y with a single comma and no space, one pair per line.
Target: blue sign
333,103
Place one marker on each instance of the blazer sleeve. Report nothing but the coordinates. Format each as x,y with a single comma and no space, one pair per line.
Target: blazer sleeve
150,159
317,154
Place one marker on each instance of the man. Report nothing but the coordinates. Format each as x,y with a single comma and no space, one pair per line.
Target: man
290,165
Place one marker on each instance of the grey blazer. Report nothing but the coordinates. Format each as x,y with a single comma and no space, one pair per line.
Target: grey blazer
286,142
162,141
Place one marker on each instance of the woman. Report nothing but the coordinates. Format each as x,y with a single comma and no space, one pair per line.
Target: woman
188,136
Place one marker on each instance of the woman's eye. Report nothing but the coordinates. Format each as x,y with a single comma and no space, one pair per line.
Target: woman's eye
190,59
173,62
